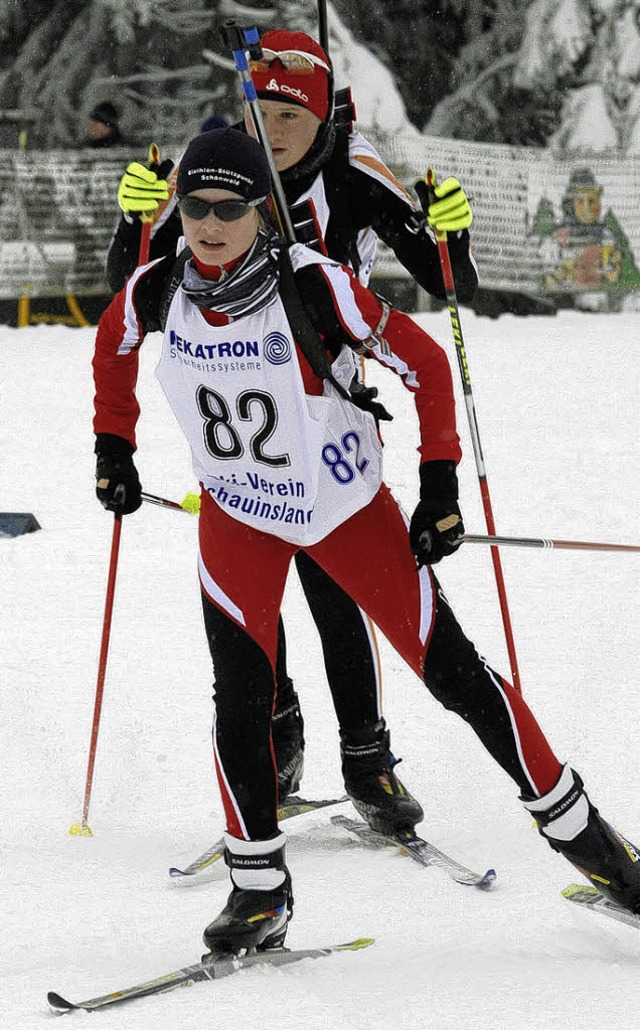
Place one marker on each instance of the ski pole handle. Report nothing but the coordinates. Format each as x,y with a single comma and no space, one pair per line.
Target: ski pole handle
425,189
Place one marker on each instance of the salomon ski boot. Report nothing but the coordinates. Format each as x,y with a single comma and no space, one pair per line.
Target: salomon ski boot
287,733
258,910
368,768
574,828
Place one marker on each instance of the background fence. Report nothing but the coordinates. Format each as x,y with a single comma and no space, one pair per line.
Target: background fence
543,225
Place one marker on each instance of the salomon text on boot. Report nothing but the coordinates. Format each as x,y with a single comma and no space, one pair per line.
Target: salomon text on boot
573,827
368,768
260,905
287,734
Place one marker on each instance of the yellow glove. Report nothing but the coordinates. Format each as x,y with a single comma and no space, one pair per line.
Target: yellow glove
452,210
140,189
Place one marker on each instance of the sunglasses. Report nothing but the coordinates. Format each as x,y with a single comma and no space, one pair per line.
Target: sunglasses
225,210
292,60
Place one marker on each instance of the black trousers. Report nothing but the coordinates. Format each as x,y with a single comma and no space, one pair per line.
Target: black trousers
454,672
348,647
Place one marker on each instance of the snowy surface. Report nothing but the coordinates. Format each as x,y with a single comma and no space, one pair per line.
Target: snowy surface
557,403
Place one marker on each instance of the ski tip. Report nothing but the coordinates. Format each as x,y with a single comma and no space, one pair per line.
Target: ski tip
192,871
580,891
569,891
295,799
60,1004
357,945
294,805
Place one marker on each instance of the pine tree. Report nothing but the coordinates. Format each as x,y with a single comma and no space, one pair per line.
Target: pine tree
544,221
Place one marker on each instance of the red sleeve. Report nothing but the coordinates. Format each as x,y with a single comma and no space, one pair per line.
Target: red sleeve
115,368
409,352
424,368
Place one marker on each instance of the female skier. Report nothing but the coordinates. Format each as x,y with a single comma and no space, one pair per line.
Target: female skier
287,464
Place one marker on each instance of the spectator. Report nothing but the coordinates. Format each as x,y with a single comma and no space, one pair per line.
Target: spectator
104,130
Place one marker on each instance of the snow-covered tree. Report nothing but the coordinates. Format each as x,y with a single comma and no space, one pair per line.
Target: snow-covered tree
483,102
558,73
160,62
589,52
145,56
563,73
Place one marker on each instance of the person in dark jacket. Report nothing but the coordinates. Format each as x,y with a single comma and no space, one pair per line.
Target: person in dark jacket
104,128
354,200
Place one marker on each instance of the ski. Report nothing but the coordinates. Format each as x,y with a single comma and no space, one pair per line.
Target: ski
420,850
593,901
292,807
210,967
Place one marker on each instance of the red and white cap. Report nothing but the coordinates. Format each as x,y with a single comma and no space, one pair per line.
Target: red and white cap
294,69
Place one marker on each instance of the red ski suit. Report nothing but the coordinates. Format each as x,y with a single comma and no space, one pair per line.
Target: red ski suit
243,569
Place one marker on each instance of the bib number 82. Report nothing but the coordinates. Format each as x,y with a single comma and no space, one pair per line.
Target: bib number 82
221,438
334,458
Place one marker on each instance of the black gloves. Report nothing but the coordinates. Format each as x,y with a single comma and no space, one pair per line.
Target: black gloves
117,484
436,528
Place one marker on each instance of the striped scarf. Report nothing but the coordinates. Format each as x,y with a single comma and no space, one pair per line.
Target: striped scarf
252,285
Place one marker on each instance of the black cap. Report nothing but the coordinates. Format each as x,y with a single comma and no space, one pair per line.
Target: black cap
225,159
583,179
105,113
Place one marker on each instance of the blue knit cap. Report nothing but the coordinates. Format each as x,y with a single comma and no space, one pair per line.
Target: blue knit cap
214,121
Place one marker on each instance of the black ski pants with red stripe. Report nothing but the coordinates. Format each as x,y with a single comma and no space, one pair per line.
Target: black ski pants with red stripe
243,573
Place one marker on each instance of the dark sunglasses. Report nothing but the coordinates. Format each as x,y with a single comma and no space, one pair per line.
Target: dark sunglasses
225,210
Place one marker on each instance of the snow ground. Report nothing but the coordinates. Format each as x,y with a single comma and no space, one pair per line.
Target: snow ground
557,403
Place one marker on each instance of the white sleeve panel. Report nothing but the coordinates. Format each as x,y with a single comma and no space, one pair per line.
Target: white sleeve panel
132,333
339,281
364,156
346,304
391,360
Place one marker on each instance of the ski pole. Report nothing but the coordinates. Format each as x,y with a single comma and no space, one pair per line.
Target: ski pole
82,828
242,41
190,504
531,541
424,189
323,28
147,219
